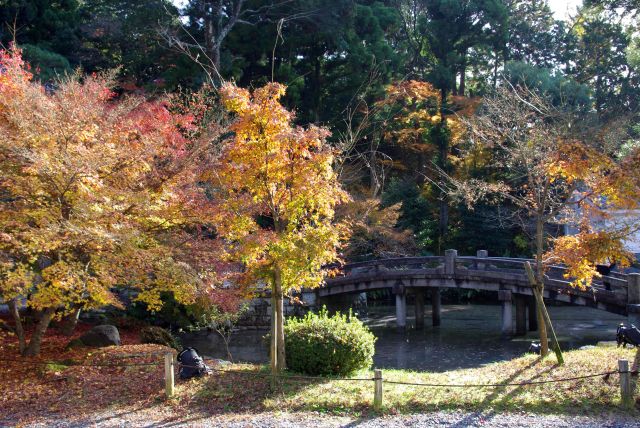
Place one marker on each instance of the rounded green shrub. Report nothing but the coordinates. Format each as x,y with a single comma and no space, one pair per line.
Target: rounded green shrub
159,336
319,344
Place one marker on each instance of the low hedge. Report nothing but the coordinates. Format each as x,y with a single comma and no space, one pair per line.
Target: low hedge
319,344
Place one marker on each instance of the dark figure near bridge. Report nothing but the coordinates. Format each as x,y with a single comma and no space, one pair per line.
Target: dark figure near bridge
605,270
535,348
627,334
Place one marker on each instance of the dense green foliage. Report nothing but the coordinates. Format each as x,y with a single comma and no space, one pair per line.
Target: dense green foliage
319,344
338,56
47,65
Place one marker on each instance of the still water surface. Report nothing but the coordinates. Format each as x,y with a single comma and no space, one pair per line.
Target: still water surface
468,337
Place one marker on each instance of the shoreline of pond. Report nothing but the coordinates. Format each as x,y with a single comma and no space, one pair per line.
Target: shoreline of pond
468,337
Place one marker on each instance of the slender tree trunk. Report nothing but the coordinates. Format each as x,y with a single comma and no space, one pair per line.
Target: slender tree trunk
443,222
211,32
495,73
15,313
281,360
463,76
542,325
274,338
375,180
215,56
36,338
317,73
70,322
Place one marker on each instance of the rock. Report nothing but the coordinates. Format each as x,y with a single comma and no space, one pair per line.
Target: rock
101,335
583,348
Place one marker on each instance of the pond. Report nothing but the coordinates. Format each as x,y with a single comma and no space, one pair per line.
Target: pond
469,336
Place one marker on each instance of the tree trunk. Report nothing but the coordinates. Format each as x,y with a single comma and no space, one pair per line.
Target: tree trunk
70,322
15,313
495,73
463,76
211,32
36,338
317,100
215,57
542,325
281,360
274,334
443,222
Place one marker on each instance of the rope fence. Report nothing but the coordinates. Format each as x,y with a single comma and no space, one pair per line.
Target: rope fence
73,363
626,386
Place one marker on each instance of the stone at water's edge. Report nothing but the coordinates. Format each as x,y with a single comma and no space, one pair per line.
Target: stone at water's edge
101,335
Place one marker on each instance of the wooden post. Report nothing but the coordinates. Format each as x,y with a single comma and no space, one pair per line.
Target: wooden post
533,316
435,306
481,254
419,294
521,315
633,298
504,296
633,288
626,394
545,314
377,392
401,310
450,262
168,375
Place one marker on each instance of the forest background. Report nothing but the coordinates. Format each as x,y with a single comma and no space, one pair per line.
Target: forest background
341,61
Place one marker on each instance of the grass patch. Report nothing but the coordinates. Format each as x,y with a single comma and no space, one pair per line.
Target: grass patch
55,367
228,391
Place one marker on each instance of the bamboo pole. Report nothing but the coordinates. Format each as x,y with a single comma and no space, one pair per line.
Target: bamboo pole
540,301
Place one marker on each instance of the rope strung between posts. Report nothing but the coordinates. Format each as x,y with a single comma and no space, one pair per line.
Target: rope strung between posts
75,363
498,385
295,377
298,377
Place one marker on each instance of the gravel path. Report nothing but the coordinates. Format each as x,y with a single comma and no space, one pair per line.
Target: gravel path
314,420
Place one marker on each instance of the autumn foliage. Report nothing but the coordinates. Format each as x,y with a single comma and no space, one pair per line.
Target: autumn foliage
96,192
278,192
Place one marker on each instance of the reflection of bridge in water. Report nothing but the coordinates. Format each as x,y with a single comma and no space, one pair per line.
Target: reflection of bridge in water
617,293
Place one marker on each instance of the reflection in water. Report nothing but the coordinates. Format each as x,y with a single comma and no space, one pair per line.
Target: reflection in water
468,337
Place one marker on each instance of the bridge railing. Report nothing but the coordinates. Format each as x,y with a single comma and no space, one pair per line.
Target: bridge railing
616,282
490,264
401,263
617,289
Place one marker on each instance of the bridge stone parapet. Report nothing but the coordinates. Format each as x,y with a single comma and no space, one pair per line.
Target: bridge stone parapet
617,293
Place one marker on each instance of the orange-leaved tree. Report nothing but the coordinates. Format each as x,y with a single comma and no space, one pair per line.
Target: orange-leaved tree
96,192
278,193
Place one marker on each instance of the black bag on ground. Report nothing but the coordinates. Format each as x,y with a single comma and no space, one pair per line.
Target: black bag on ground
191,364
628,334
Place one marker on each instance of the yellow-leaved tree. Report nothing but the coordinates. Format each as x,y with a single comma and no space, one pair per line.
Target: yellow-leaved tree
547,169
278,194
96,192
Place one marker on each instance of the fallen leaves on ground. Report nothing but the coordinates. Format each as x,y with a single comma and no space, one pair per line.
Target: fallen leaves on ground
75,382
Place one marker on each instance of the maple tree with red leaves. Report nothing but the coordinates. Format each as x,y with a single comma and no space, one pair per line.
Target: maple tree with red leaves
97,193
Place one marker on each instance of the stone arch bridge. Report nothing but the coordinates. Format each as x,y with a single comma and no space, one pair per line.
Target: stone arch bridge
617,293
